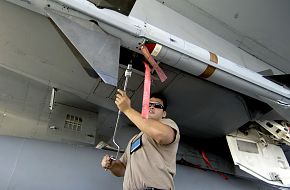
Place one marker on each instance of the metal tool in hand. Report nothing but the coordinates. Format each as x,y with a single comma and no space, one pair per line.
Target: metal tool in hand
128,73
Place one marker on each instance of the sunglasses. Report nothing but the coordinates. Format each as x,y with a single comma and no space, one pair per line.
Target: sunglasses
156,105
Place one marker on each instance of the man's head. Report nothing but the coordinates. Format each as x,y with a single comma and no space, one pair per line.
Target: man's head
157,106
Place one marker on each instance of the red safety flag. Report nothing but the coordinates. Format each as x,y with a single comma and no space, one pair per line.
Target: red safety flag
205,159
146,92
155,66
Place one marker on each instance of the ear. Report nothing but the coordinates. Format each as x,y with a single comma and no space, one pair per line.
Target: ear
164,114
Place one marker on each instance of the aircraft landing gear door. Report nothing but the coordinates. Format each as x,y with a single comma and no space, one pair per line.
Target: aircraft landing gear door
267,162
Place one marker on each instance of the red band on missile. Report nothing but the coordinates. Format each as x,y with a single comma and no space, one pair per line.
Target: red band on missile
150,47
155,66
154,49
210,69
146,92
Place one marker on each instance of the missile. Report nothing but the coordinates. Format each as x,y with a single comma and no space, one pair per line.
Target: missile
184,55
214,68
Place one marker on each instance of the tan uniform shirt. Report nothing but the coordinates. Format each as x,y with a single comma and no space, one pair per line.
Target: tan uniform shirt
152,165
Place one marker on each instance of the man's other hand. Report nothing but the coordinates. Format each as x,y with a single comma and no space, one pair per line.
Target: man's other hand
106,162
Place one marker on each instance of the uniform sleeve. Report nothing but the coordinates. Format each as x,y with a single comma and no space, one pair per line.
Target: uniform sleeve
174,126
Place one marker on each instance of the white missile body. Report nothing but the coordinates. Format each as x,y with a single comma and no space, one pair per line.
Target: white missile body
172,50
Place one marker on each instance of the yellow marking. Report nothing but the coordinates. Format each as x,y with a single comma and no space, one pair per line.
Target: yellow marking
210,69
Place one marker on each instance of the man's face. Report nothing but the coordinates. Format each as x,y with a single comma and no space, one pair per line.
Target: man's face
155,110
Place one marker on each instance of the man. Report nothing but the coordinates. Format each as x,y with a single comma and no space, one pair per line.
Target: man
149,161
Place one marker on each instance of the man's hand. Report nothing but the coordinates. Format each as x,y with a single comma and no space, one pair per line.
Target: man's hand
106,162
122,101
115,166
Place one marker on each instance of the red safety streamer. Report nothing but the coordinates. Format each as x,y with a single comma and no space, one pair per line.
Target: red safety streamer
155,66
146,92
205,159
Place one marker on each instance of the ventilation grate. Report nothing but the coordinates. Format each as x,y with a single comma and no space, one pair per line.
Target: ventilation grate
73,123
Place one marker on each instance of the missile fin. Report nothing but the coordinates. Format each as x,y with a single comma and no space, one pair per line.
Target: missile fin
100,50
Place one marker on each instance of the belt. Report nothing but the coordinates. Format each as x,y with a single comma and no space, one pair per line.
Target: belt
152,188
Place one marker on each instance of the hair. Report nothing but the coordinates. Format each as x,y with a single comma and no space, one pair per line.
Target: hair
160,96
